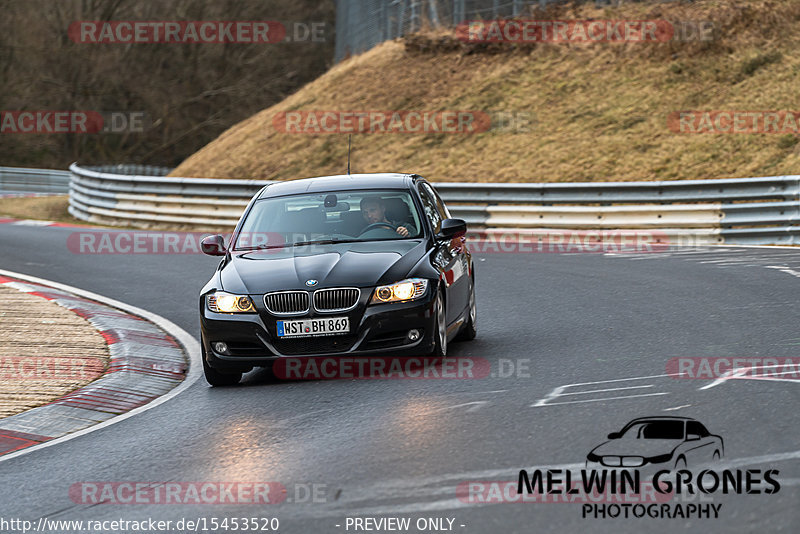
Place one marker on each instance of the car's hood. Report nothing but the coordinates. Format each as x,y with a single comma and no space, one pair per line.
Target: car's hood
637,447
343,264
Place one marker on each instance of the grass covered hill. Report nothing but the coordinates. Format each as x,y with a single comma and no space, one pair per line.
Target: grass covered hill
584,111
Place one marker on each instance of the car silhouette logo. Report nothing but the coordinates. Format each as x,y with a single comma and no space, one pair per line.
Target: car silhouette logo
312,282
672,442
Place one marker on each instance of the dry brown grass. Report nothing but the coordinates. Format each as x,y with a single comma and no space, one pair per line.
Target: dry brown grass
600,110
52,208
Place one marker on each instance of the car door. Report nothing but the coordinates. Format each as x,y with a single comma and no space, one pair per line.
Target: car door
450,257
698,450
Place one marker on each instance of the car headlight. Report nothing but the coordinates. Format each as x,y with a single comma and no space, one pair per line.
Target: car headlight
409,289
660,459
221,302
632,461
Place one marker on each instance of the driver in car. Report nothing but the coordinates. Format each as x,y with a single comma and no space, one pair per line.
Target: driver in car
373,209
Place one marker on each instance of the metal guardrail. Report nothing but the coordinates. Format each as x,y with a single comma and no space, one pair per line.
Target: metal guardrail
134,197
739,211
39,181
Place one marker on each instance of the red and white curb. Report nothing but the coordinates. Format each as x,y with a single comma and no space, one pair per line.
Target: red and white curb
149,363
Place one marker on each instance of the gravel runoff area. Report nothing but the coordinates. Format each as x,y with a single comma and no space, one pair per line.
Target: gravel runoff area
46,351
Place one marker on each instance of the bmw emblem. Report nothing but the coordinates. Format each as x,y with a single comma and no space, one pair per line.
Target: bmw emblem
312,282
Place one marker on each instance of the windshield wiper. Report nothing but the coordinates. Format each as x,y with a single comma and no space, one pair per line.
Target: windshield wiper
300,244
259,247
324,242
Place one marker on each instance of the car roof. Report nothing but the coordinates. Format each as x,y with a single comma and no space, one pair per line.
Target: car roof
662,418
342,182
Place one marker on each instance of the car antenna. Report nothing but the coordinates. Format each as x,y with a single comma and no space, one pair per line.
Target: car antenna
348,153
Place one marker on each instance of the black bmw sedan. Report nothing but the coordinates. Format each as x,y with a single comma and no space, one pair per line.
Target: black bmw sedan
363,264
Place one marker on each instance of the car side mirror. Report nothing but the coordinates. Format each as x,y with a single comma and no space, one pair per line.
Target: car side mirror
213,245
451,229
614,435
692,437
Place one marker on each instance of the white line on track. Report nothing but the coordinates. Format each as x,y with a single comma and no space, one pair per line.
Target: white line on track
540,403
558,392
609,389
728,260
381,498
475,405
189,343
745,259
725,377
470,392
777,257
620,380
784,269
740,372
676,408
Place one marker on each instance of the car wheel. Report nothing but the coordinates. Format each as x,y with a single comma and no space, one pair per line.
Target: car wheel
469,330
218,378
440,335
715,457
680,463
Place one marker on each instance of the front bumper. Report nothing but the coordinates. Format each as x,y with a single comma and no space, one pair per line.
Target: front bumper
379,329
646,472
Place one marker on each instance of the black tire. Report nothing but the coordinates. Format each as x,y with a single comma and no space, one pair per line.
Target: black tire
680,463
470,330
218,378
440,324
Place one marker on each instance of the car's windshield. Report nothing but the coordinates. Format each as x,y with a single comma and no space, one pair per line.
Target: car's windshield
655,430
311,218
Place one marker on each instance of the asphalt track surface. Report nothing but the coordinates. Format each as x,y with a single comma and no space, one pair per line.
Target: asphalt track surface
401,447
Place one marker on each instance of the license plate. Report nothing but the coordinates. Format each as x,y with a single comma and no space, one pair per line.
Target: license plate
329,326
